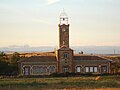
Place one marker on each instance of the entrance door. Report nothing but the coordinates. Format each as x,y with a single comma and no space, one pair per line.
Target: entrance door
104,69
27,71
65,69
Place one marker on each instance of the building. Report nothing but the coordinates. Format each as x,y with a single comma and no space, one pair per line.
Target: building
64,60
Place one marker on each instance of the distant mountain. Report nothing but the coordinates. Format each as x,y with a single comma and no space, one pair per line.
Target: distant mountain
98,49
26,48
77,49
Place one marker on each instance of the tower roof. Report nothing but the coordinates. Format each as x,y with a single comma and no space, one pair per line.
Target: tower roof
63,14
63,18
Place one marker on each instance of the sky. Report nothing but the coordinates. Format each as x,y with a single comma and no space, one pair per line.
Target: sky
35,22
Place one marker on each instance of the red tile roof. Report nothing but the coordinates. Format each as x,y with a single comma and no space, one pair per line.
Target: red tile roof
40,59
54,59
88,58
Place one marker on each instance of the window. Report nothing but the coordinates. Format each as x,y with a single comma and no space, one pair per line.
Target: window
78,69
95,69
65,55
91,69
65,69
86,69
52,69
39,70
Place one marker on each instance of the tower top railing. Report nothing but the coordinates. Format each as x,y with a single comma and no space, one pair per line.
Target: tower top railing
63,18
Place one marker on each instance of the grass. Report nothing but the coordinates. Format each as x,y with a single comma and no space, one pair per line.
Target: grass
59,83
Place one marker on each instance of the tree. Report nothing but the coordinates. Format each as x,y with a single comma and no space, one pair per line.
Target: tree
2,54
115,68
3,57
15,57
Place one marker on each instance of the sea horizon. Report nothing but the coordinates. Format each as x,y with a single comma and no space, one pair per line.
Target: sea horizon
77,49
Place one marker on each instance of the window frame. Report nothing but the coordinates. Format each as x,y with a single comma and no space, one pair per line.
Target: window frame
91,69
65,55
87,70
96,69
52,68
79,69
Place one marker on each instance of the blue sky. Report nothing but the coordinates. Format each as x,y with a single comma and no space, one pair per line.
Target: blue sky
35,22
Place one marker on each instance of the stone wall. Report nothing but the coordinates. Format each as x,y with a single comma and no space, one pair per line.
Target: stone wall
38,68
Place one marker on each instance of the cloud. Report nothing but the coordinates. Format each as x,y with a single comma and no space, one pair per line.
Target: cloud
49,2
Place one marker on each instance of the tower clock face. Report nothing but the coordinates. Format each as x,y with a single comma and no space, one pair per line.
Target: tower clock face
63,29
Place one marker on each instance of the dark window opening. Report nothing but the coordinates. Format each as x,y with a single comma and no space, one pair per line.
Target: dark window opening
104,69
65,55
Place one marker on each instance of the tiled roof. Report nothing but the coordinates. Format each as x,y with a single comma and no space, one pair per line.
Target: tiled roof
40,59
54,59
88,58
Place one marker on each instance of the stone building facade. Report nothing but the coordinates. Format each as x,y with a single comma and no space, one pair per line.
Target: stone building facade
64,59
91,64
38,65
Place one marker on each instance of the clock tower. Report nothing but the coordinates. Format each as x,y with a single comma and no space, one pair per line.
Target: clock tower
64,53
63,31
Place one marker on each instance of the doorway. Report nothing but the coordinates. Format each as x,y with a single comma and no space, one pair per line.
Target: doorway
26,71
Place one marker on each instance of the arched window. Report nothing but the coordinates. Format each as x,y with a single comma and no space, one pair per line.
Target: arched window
52,69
